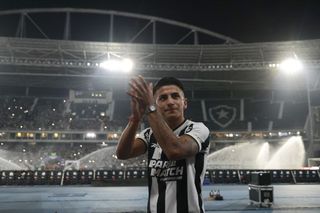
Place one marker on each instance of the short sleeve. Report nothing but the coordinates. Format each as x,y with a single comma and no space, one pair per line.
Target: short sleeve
200,133
145,135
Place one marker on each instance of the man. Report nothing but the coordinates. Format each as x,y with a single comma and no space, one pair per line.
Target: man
177,147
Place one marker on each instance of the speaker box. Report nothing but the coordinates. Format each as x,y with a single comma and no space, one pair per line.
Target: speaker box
260,178
261,194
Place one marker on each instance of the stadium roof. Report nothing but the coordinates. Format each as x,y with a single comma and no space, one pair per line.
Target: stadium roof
33,55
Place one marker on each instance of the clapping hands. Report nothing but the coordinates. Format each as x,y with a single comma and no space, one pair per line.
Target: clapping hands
141,96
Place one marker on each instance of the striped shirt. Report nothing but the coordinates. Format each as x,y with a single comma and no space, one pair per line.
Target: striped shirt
175,186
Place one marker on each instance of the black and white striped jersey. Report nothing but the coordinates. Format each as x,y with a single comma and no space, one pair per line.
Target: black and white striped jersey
175,186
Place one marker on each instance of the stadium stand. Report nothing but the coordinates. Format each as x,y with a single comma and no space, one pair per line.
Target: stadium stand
39,113
228,119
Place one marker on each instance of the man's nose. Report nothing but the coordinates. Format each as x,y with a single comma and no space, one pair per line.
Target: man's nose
170,100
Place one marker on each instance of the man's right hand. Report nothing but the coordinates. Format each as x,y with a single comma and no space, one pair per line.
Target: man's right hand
138,108
129,146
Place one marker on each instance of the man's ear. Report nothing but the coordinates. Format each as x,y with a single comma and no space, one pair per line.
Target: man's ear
185,103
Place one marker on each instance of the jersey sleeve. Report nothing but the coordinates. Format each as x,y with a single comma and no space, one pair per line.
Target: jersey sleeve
144,135
200,133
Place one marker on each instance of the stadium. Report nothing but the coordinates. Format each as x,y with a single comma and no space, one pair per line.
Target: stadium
64,102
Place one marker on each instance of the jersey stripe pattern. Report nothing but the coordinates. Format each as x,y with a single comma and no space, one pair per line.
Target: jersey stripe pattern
175,186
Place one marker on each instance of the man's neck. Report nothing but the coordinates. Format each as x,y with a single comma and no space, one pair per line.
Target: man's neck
174,123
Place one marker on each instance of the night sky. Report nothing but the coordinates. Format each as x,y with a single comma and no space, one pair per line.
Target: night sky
244,20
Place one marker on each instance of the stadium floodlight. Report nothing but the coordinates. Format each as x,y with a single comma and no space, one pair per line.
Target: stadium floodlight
91,135
124,65
291,66
127,65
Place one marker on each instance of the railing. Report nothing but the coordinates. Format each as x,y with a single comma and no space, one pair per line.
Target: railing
139,176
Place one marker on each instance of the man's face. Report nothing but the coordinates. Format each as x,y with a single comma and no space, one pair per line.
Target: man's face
171,102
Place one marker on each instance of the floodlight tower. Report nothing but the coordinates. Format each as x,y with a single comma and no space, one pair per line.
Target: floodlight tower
293,66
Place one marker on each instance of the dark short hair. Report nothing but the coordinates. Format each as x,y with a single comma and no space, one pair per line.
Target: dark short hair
167,81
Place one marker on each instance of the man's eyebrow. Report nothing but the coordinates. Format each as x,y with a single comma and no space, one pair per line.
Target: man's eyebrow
162,95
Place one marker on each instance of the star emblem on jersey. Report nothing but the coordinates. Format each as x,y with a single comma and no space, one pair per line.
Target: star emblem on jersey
222,115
